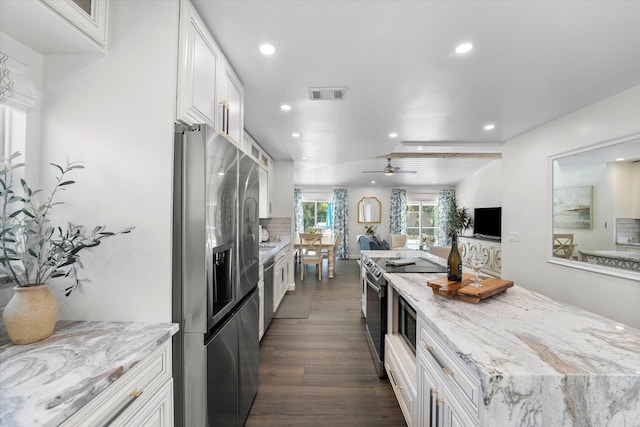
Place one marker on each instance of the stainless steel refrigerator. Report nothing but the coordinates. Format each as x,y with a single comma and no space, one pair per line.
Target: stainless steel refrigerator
215,278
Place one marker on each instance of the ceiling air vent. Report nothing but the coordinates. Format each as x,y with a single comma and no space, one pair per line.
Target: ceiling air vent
327,93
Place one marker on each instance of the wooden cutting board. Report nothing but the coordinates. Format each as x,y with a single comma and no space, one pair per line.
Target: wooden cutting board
464,292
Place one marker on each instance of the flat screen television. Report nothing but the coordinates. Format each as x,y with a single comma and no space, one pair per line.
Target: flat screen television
487,222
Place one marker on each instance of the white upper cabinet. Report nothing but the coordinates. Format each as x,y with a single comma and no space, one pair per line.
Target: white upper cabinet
232,102
199,60
53,27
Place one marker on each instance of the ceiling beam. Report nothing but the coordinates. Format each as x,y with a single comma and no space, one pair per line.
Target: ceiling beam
442,156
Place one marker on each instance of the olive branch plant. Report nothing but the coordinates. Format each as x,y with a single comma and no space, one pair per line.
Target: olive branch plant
31,250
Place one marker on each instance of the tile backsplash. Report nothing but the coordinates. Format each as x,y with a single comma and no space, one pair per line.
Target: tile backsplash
627,231
277,227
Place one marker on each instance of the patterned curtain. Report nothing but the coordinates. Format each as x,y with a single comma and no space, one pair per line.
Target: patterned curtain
297,211
340,210
398,211
445,200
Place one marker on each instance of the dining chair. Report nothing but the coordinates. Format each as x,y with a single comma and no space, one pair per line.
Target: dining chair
398,241
336,245
311,252
563,245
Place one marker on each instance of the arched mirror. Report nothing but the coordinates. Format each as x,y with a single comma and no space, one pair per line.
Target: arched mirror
596,208
369,210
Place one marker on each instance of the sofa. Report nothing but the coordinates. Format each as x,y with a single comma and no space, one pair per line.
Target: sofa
367,244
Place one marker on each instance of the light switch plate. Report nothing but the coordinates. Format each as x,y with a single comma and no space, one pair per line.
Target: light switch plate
514,237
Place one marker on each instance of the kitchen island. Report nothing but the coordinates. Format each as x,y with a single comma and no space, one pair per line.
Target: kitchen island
46,383
525,359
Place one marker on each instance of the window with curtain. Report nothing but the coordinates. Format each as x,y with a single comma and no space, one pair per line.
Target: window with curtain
297,211
422,223
314,214
340,220
398,211
445,200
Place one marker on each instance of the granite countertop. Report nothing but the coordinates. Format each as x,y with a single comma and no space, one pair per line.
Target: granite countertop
540,361
46,382
270,249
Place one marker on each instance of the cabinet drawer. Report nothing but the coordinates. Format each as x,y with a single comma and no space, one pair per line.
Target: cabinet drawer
131,391
402,387
451,369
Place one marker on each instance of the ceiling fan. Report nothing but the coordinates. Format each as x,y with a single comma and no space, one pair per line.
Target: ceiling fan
390,170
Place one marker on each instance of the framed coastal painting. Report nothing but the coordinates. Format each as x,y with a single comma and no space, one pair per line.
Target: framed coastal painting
573,207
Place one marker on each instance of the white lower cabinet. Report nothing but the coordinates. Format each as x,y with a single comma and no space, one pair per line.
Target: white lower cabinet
448,391
398,364
142,397
281,276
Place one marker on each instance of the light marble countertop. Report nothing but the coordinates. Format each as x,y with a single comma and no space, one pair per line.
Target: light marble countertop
44,383
540,361
270,249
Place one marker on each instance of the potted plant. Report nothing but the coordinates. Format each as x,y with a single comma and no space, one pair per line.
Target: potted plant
459,218
370,230
32,251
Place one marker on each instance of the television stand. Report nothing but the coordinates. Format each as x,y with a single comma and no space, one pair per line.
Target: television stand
488,246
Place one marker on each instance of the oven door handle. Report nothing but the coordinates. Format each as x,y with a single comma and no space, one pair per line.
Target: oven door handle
379,289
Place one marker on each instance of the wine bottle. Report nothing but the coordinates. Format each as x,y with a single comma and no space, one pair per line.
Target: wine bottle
454,262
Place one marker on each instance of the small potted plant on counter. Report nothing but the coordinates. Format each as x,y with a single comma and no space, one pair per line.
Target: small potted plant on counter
32,251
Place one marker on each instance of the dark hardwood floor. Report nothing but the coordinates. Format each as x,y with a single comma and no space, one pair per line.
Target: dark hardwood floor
318,371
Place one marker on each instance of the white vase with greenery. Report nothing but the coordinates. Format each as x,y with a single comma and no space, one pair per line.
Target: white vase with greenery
32,251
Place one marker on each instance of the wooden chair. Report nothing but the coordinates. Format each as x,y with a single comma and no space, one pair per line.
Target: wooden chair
336,245
398,241
441,251
563,245
311,252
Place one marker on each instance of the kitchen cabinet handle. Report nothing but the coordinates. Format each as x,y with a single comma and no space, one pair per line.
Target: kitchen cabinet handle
223,104
228,108
430,350
133,396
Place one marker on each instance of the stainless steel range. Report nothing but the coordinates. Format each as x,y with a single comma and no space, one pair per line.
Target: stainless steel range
376,322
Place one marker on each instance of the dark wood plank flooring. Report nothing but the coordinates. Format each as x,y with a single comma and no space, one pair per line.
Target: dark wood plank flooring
318,371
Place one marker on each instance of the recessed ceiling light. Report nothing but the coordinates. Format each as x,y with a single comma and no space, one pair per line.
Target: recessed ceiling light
489,126
620,327
393,135
619,159
373,182
434,182
464,48
285,107
303,158
295,135
267,49
419,148
221,173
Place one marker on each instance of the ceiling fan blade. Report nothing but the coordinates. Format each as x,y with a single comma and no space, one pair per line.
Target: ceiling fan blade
372,171
405,171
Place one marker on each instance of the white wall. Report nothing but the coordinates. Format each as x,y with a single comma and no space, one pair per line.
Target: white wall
116,113
482,189
526,205
354,195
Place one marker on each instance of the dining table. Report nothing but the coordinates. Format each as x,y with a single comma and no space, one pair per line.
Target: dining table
328,242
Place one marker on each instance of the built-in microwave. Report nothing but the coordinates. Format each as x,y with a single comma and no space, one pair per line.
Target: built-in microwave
407,325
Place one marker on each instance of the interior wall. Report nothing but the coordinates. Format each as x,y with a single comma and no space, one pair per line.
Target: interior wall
281,194
482,189
355,228
115,112
527,208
